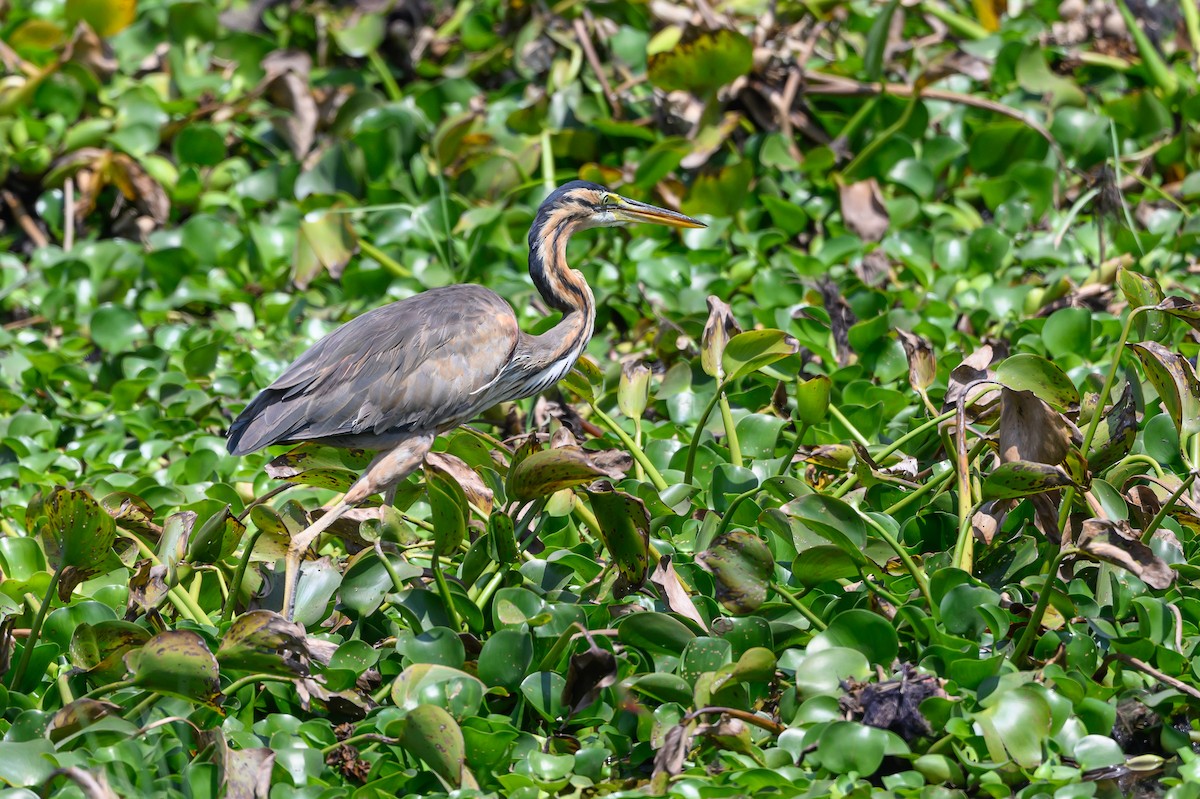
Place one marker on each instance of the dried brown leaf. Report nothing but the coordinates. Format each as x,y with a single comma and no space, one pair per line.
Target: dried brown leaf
863,210
1116,543
666,579
1030,430
472,484
922,364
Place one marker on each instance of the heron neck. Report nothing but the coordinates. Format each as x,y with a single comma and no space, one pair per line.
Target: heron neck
562,287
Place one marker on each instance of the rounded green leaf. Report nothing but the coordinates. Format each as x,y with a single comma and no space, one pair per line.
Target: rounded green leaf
115,328
742,566
505,658
701,61
750,351
847,746
1028,372
863,630
176,663
655,632
78,532
432,734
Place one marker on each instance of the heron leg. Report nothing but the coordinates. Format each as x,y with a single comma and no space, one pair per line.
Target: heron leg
388,469
389,496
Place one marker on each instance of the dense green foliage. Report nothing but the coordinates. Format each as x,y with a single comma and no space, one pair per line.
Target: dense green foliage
927,528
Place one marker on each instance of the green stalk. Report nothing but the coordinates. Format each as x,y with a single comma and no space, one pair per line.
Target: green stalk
857,436
103,690
1039,611
964,552
880,139
735,450
899,443
803,609
727,519
960,25
694,445
1148,533
391,88
787,462
1146,459
918,574
638,454
1191,20
251,679
239,575
444,589
1064,511
36,629
639,471
384,260
547,162
1160,74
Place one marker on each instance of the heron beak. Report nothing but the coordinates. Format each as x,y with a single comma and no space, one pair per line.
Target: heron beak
628,210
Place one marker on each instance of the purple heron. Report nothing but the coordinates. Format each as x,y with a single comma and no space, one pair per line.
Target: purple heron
394,378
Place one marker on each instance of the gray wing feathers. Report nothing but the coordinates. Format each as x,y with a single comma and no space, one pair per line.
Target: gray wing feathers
408,366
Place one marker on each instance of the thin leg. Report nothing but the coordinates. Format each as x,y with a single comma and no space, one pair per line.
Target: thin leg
389,496
388,469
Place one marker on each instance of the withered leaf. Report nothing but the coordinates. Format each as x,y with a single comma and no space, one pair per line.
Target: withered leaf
589,673
1116,543
1030,430
863,210
673,592
922,365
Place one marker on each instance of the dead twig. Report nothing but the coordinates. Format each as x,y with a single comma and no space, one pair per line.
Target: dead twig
589,50
24,219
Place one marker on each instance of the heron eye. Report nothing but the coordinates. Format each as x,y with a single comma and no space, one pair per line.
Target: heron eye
605,200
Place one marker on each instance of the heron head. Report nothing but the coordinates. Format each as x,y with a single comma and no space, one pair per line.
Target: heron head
590,205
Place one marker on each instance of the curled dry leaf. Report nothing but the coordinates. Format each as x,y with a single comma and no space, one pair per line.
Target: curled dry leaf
669,759
974,368
863,210
589,673
477,491
720,327
286,86
1030,430
1118,544
673,591
78,715
248,772
922,365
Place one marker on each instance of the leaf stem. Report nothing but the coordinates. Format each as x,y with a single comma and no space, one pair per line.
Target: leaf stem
240,574
791,456
384,260
444,589
852,479
857,436
803,609
1039,610
694,445
1064,511
36,629
251,679
918,574
638,454
735,449
1148,533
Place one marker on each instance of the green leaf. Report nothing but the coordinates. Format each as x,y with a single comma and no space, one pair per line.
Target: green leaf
863,630
756,666
625,530
1068,331
448,511
106,17
458,693
655,632
1016,721
1022,479
263,641
217,538
78,532
432,734
847,746
177,663
114,329
748,352
812,399
822,564
1033,373
1174,379
833,520
550,470
701,61
741,565
505,659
